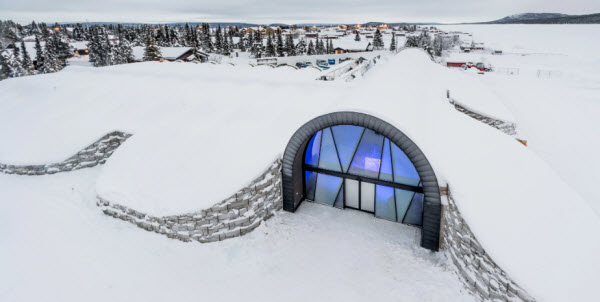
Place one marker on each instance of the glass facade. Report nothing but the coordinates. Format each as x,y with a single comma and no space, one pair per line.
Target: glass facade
354,167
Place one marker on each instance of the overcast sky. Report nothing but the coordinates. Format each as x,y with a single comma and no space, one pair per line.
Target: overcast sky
284,11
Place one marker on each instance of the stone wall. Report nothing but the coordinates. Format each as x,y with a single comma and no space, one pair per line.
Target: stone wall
94,154
480,274
506,127
235,216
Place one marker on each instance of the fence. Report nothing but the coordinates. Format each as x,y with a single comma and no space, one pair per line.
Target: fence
507,70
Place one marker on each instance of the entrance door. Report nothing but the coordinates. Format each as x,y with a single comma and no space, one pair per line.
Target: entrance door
367,196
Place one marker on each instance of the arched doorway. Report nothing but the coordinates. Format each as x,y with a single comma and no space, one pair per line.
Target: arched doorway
354,160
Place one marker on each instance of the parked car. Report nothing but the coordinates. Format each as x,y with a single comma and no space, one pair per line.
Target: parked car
479,65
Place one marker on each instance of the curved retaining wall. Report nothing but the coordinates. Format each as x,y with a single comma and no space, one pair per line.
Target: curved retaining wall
479,273
237,215
92,155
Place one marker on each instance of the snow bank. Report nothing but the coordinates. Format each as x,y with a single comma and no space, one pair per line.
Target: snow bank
201,131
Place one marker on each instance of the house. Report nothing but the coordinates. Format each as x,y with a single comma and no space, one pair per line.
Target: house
339,50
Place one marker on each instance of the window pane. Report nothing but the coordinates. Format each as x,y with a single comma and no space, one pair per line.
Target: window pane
328,159
404,170
327,188
346,139
386,163
403,199
312,150
368,155
351,192
384,203
367,196
339,201
310,180
414,215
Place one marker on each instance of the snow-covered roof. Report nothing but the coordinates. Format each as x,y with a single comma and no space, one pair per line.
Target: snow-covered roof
167,52
201,132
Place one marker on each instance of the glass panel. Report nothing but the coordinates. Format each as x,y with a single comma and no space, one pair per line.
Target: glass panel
368,155
339,201
386,163
404,170
328,159
346,139
327,188
312,150
414,215
403,199
310,180
351,192
384,203
367,196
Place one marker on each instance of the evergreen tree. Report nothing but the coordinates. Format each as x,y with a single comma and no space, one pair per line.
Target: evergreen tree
311,49
300,47
39,53
226,46
152,51
4,68
218,40
289,45
124,52
26,60
378,40
437,46
330,46
270,48
16,68
393,43
63,49
231,45
357,37
412,41
51,62
280,49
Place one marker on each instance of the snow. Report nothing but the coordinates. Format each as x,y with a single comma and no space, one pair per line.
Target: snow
553,96
65,248
202,131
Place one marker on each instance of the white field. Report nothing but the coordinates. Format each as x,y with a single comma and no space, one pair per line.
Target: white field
57,246
202,131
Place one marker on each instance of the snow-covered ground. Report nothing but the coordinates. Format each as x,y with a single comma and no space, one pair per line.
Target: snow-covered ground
202,131
56,244
555,97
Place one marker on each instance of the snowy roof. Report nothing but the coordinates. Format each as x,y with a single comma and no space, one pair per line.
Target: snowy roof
198,137
170,53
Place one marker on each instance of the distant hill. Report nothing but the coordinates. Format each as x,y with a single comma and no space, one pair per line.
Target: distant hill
548,18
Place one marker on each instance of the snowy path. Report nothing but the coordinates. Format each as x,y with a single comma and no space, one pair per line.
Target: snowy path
55,243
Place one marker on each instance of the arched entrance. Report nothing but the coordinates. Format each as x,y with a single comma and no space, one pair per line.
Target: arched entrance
354,160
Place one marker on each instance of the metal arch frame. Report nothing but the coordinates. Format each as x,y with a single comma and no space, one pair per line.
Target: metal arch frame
293,173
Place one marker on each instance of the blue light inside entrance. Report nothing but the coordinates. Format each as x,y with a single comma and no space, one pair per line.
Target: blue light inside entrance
343,152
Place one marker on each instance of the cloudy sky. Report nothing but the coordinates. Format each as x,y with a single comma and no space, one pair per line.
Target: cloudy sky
284,11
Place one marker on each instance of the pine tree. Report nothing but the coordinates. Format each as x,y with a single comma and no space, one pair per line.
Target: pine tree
39,53
311,49
124,52
289,45
26,60
4,68
152,51
378,40
62,48
226,46
231,45
270,48
218,40
280,49
16,68
438,46
51,62
300,47
330,46
393,43
357,37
